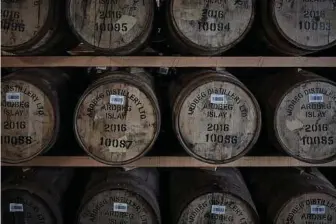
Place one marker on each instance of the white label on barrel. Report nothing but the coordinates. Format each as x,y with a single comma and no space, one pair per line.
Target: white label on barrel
163,70
13,207
218,209
117,99
127,23
119,207
13,97
218,99
317,209
315,98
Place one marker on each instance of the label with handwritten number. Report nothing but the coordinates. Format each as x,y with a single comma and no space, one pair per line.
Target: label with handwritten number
218,99
13,97
14,207
316,98
119,207
218,209
317,209
117,100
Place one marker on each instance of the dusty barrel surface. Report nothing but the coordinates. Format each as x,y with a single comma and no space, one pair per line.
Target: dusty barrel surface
35,196
116,196
309,198
112,26
117,119
204,196
31,27
32,101
299,27
215,117
207,27
300,114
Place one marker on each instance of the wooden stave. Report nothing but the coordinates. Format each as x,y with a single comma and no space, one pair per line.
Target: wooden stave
134,79
189,82
276,88
140,42
187,47
143,181
51,82
272,194
47,185
277,40
49,40
197,182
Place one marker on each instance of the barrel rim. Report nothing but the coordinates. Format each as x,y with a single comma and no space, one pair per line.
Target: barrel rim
42,196
201,49
116,186
40,35
194,84
291,41
145,89
55,110
326,192
138,41
275,123
224,193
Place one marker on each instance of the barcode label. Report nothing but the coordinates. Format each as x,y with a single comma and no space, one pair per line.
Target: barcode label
116,99
163,70
317,209
13,207
119,207
218,209
218,99
13,97
315,98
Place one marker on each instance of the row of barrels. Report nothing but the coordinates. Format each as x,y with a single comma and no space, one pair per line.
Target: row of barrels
202,27
113,196
216,118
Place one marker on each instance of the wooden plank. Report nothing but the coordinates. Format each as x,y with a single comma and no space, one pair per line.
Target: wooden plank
171,161
150,61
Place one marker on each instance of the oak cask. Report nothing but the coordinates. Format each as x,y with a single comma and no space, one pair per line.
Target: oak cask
117,27
30,27
35,196
300,114
33,102
117,196
299,27
292,195
206,196
215,117
117,119
208,27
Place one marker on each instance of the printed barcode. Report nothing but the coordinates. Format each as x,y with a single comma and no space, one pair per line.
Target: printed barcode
218,209
12,97
315,98
218,99
317,209
116,99
119,207
14,207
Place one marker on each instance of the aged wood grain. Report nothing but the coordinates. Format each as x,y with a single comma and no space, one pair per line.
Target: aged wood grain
215,130
28,120
209,27
112,26
118,131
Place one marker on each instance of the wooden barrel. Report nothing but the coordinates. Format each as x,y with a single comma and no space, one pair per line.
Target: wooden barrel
215,117
292,196
117,27
299,27
208,27
116,196
117,119
35,196
33,27
32,104
300,113
205,196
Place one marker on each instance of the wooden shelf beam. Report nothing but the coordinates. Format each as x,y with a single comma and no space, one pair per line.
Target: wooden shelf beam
163,61
169,161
